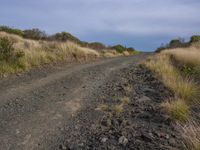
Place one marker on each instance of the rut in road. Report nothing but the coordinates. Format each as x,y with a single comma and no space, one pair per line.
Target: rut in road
37,106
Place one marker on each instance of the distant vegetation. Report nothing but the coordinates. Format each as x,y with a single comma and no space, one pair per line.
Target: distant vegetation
20,50
179,43
12,30
179,69
36,34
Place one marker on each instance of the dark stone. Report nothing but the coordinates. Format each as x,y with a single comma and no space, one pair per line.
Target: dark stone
146,137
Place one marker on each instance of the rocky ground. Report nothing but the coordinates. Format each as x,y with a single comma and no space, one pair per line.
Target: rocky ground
142,125
80,107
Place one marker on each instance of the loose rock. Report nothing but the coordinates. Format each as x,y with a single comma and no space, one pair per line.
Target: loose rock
123,140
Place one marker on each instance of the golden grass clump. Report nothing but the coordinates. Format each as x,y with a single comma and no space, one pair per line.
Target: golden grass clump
110,53
125,100
190,56
187,90
117,109
177,109
103,107
113,53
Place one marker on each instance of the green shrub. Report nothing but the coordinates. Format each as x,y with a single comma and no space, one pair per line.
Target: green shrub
97,46
64,36
189,70
11,30
130,49
195,38
19,54
119,48
35,34
175,43
6,49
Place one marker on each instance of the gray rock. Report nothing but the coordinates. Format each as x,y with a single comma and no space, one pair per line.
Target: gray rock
146,137
106,123
103,140
62,147
144,99
148,90
123,140
172,141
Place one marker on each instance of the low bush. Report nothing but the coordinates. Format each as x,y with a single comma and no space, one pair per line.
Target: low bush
119,48
10,59
179,43
35,34
96,45
175,43
12,30
6,49
64,36
195,38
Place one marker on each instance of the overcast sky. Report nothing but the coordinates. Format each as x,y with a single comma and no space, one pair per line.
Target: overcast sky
143,24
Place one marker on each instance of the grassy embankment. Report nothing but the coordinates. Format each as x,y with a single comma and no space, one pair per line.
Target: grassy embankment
179,69
18,54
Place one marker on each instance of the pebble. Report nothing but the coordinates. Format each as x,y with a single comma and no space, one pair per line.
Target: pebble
146,137
103,140
148,90
123,140
172,141
144,99
62,147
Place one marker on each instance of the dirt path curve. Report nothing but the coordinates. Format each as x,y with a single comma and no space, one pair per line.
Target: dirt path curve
35,107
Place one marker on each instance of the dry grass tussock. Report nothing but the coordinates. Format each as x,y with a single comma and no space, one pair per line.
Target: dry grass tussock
116,108
42,52
186,91
190,133
177,109
111,53
189,55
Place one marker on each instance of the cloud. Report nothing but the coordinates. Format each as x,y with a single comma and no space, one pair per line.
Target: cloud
100,18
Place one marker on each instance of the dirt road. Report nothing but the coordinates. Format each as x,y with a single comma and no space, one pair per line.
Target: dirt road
55,107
